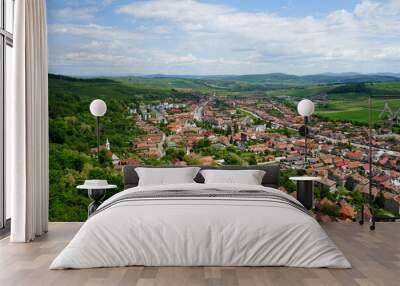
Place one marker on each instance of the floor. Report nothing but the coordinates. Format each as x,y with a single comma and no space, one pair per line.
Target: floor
375,257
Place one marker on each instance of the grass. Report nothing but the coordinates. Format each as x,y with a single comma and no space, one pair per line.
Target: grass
385,214
356,109
305,92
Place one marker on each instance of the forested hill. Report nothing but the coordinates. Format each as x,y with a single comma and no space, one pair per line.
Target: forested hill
72,135
257,81
71,122
328,78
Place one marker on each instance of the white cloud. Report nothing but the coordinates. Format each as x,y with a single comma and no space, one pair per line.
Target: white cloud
80,10
91,31
82,14
187,36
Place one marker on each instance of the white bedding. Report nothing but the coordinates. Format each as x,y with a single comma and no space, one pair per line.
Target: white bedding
200,231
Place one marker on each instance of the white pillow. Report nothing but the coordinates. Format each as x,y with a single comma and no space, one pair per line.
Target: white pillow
166,176
248,177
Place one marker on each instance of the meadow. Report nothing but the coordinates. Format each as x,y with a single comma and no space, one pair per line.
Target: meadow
350,102
357,110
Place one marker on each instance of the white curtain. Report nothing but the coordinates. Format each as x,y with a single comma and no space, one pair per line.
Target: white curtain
27,124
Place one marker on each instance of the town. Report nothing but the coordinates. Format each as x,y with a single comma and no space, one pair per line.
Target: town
218,130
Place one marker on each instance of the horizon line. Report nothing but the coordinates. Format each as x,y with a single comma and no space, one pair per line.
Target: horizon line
222,75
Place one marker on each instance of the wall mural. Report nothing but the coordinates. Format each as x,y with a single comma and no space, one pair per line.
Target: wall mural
202,88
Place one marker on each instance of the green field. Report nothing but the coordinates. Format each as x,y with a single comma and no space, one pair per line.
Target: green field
305,92
350,101
201,86
356,109
344,101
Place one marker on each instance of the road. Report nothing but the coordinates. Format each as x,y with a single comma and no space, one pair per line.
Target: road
259,117
393,153
198,112
161,145
251,112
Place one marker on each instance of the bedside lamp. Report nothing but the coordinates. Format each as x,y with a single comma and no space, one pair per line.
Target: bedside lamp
305,108
98,108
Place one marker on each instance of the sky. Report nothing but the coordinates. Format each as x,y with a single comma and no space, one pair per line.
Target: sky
212,37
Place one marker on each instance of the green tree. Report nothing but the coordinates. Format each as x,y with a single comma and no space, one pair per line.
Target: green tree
252,160
350,184
232,159
285,182
191,161
202,143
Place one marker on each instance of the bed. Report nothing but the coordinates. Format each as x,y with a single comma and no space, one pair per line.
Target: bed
201,224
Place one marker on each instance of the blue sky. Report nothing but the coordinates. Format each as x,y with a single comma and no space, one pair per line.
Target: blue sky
111,37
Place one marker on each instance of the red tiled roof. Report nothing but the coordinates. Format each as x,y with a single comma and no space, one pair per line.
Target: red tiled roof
342,163
384,160
380,178
366,167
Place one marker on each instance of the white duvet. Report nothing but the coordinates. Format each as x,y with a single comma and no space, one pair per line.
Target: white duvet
202,232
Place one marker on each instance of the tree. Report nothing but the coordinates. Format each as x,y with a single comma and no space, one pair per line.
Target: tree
104,159
228,131
174,154
286,131
357,199
235,128
232,159
202,143
285,182
252,160
57,132
379,200
350,184
191,161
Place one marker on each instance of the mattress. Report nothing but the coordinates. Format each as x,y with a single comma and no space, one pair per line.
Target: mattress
201,225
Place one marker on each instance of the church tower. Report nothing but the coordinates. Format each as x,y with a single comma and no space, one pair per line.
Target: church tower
108,145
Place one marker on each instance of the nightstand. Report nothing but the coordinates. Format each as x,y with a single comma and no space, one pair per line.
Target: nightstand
305,187
96,191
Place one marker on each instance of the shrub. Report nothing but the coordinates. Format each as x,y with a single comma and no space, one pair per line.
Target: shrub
330,210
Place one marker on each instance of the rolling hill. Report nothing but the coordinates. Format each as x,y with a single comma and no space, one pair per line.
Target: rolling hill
254,82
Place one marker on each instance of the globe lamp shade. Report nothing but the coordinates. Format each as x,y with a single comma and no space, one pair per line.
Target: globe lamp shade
98,108
305,107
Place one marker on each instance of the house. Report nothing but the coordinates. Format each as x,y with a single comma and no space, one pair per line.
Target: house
354,165
343,164
384,161
260,128
206,160
102,147
380,179
177,128
364,189
133,162
338,176
259,148
355,155
327,184
326,159
115,159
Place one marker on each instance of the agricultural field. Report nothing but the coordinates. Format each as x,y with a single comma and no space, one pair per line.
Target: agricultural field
350,101
303,92
357,109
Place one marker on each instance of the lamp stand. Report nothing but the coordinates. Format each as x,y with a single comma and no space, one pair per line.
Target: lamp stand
98,136
305,141
370,201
